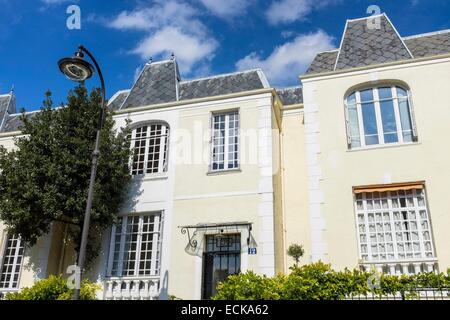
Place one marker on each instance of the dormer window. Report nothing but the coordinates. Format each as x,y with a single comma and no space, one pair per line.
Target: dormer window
150,149
379,116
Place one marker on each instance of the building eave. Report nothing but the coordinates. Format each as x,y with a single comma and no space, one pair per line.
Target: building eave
374,66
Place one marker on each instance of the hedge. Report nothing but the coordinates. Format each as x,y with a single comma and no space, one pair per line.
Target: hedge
319,281
54,288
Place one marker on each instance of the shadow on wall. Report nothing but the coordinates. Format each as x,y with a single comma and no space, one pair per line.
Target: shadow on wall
164,290
97,269
55,252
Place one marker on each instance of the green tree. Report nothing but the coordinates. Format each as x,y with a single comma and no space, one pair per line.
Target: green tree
296,251
46,178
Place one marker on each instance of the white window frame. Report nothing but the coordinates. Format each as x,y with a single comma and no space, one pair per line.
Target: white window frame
155,262
227,140
163,156
376,101
18,245
416,207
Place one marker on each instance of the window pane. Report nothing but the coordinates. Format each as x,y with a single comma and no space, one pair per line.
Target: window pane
370,123
401,93
388,120
385,93
367,95
351,99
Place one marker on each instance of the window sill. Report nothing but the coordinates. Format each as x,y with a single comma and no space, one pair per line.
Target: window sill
225,171
151,177
384,146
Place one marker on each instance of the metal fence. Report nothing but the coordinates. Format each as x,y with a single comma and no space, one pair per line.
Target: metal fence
415,294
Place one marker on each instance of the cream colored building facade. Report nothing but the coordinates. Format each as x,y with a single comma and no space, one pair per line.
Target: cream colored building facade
228,172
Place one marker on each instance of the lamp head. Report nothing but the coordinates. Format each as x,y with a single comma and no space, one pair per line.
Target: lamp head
76,68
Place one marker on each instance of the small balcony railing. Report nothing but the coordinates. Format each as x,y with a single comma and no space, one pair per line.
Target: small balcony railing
131,288
400,267
4,292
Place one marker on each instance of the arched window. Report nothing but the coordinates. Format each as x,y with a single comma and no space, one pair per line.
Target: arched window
380,115
150,148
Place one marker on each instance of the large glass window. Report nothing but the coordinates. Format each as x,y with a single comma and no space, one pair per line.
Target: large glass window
394,226
379,115
135,241
150,149
225,141
11,264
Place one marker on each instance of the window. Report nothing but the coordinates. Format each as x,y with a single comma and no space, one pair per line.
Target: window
225,141
150,145
135,241
10,265
393,225
379,116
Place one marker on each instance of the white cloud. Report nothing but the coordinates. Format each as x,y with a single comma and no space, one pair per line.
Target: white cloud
287,11
171,26
188,49
226,8
289,60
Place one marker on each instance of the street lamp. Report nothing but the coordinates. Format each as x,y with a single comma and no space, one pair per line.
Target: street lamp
77,69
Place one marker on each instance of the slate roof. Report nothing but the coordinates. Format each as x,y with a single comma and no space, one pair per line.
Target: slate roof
13,122
117,100
157,83
429,44
323,62
160,82
364,46
290,96
220,85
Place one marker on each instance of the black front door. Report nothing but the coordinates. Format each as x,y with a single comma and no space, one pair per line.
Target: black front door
222,257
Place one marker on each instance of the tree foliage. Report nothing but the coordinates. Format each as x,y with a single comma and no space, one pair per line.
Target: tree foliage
296,251
54,288
319,281
46,177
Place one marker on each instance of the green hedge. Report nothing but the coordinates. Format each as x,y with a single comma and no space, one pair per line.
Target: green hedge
320,282
54,288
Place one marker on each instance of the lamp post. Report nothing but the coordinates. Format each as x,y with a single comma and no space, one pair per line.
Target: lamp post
77,69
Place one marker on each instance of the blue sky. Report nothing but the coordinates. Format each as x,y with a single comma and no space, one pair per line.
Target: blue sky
207,36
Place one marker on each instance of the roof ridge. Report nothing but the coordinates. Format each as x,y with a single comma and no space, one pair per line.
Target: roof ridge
366,18
399,36
221,75
427,34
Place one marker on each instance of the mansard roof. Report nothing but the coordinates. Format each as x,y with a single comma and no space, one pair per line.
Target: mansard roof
160,82
364,44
